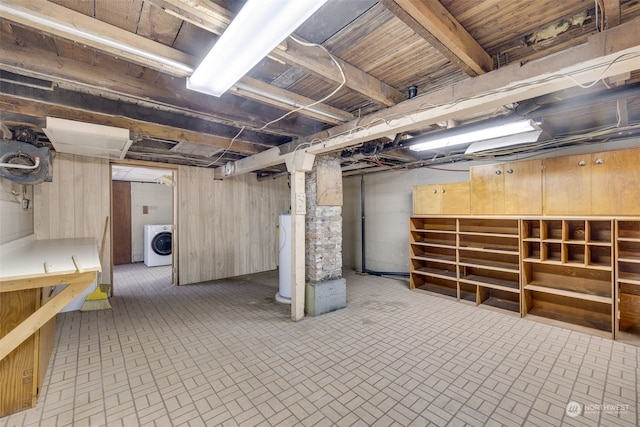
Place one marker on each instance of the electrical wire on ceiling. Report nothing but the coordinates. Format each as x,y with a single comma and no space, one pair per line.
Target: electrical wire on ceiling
340,86
427,106
227,149
596,135
288,113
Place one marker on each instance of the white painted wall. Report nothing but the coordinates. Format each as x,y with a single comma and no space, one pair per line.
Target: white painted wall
388,206
158,199
15,221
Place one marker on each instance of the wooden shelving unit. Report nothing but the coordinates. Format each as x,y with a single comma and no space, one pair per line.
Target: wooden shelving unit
473,259
567,270
489,260
628,275
579,270
433,254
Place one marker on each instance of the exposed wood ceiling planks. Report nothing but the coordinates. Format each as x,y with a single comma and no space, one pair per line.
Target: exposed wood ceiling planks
435,48
435,24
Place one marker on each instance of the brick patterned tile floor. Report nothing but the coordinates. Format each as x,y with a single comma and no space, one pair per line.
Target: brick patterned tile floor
226,353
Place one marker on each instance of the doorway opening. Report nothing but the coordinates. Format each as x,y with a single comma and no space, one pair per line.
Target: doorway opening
143,221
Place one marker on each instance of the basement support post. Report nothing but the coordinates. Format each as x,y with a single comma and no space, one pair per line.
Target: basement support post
298,163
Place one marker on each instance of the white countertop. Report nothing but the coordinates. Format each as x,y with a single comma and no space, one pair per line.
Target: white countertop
56,256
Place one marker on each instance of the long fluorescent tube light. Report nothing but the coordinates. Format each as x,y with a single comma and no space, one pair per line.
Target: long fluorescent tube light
258,28
503,142
457,139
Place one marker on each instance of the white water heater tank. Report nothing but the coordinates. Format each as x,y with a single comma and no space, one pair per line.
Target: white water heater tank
284,258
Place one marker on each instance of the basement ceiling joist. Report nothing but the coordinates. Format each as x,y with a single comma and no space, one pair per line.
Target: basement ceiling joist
607,54
61,22
384,47
433,22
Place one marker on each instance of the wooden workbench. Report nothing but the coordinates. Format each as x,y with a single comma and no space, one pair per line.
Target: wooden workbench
29,275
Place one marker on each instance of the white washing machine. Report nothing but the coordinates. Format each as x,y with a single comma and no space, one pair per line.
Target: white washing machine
157,245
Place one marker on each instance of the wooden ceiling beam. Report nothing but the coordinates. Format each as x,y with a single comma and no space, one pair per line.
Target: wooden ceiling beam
36,108
609,53
119,43
212,17
435,24
612,14
209,16
167,93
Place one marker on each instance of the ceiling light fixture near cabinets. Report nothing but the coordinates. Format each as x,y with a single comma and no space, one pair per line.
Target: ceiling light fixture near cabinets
257,29
472,134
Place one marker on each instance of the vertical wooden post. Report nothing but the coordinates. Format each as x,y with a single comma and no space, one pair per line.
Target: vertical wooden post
297,164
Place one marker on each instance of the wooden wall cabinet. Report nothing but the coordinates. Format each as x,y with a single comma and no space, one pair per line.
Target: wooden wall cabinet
22,371
603,183
507,189
442,199
567,185
615,182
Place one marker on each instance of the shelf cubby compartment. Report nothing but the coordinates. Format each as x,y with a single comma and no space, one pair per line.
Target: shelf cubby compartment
489,243
489,226
431,223
531,229
599,232
551,230
599,256
493,297
569,281
434,237
551,252
467,292
574,231
438,285
428,252
443,270
629,272
573,254
628,275
629,250
629,229
629,307
531,251
507,281
565,308
498,261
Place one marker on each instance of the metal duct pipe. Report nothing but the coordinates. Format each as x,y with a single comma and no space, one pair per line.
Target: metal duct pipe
607,95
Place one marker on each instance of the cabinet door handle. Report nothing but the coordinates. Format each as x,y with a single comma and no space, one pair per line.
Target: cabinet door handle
582,163
599,161
498,172
443,190
509,170
435,191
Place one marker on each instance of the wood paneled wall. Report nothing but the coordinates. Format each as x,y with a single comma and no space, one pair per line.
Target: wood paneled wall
17,222
76,203
227,227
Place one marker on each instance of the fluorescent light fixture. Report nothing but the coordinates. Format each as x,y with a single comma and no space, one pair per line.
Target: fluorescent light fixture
459,136
503,141
257,29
